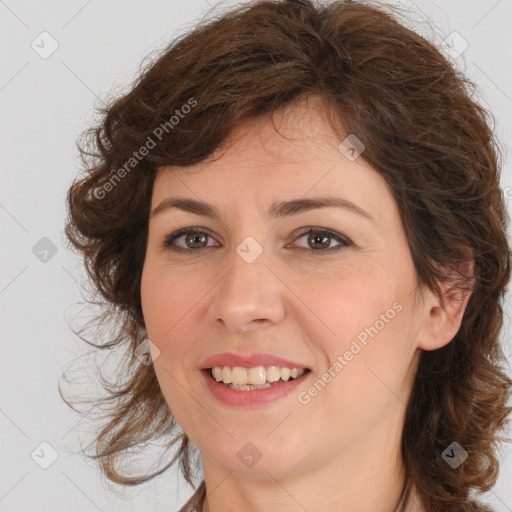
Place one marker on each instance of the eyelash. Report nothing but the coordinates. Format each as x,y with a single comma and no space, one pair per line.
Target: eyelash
344,242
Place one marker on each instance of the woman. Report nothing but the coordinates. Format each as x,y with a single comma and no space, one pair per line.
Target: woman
296,210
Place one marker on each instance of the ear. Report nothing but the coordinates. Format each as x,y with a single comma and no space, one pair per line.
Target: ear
442,316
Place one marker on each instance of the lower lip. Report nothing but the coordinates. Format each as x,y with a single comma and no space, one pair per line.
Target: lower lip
251,397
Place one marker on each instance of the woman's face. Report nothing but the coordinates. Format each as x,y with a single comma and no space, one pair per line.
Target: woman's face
257,283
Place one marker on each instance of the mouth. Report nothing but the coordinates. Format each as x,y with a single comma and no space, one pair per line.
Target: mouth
256,378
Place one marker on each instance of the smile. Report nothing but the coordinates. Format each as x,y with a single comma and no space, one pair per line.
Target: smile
258,377
251,395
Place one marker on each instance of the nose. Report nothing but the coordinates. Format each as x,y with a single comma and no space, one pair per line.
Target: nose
248,297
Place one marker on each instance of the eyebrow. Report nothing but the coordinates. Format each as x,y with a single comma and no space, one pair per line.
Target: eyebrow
277,209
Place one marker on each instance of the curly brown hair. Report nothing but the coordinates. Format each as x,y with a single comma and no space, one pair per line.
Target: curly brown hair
424,134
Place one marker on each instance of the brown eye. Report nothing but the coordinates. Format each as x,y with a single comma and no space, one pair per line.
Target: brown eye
194,239
323,241
197,239
319,240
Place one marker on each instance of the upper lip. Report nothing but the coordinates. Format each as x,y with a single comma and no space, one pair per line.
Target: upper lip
248,361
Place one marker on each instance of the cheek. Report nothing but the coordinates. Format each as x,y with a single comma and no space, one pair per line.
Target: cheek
163,305
165,298
347,304
172,309
365,333
371,364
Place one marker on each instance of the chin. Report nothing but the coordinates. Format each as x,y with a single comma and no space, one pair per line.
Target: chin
257,455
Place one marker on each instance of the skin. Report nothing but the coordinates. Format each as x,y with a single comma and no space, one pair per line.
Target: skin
340,451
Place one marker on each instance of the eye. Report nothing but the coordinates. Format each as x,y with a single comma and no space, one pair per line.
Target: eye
193,236
198,237
321,238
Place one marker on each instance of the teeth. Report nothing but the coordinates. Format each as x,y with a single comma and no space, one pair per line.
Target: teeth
226,375
217,373
256,375
247,387
273,373
252,378
239,376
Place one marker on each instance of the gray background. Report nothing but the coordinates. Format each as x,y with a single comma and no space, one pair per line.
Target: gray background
45,103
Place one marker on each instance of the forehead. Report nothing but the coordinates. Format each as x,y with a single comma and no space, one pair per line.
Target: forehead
259,165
